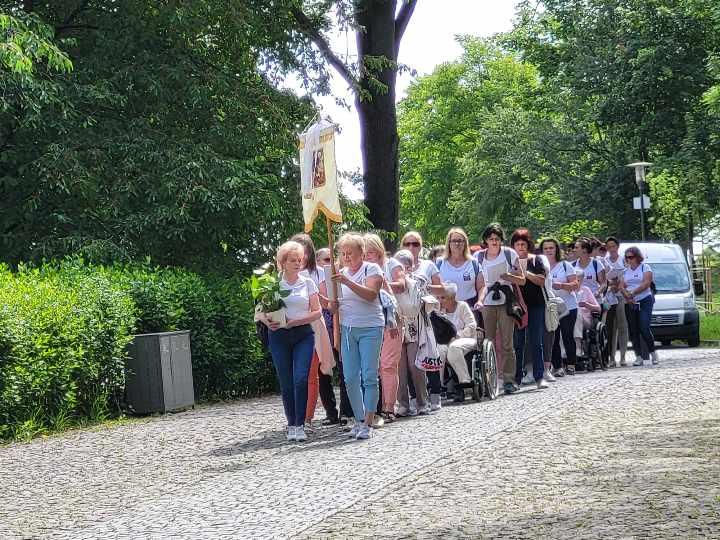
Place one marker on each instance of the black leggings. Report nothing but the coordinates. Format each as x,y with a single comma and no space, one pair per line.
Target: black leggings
565,332
434,383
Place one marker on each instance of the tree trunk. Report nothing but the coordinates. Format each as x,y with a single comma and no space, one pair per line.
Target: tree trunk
378,119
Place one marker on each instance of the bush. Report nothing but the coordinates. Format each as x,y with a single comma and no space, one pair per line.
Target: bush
62,346
64,329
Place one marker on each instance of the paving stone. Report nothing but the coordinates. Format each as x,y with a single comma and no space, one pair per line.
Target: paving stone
628,453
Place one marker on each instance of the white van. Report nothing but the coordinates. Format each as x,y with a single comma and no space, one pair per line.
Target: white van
675,315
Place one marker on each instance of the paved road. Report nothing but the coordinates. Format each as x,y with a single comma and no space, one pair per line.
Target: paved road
631,453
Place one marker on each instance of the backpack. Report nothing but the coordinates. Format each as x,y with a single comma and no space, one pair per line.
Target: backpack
443,328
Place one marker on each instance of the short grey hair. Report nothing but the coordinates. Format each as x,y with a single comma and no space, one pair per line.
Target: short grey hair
451,289
405,257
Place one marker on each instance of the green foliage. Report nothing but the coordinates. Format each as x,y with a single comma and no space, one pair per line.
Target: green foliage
167,139
64,330
709,327
62,347
534,128
25,41
265,289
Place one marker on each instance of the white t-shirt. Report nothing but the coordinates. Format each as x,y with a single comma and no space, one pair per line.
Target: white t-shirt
559,274
318,275
390,266
463,276
487,264
590,274
610,296
298,303
633,279
427,269
356,312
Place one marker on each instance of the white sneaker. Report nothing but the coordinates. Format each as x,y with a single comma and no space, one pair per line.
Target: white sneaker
549,377
402,411
378,421
412,411
300,434
541,384
365,432
435,402
638,362
528,379
291,433
355,430
424,410
654,357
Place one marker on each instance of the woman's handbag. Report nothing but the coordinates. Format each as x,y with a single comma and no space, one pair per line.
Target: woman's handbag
552,312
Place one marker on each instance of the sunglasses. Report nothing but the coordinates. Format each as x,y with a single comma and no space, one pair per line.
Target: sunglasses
411,244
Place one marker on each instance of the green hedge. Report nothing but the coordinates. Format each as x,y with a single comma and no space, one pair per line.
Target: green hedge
64,329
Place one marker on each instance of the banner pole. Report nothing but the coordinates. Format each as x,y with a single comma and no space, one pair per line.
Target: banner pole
336,315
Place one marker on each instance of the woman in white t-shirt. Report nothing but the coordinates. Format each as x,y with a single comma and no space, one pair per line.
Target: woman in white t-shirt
413,242
636,287
500,270
319,380
394,281
593,271
425,271
459,267
362,324
292,346
617,328
564,283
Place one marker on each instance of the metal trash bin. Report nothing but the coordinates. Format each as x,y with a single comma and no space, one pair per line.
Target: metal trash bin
158,373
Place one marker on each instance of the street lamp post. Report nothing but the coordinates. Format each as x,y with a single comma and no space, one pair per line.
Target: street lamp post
640,167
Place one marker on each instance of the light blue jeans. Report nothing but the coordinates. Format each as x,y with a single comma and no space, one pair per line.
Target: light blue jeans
360,351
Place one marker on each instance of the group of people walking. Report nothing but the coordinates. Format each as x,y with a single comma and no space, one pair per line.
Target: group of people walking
388,359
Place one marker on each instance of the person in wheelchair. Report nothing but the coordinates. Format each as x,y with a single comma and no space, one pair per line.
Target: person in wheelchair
454,353
589,312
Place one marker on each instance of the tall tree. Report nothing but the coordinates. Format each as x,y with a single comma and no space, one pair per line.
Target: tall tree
167,139
379,26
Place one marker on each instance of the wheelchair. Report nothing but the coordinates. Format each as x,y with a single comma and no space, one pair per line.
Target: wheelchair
482,367
594,352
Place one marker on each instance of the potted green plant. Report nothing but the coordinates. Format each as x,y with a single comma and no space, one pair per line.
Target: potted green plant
265,289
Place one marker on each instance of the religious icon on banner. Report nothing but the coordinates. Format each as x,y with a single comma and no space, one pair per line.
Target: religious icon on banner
318,168
318,174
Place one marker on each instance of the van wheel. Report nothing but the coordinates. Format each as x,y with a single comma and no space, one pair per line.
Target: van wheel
694,341
665,342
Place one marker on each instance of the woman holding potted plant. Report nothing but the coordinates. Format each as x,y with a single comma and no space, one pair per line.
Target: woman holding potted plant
292,341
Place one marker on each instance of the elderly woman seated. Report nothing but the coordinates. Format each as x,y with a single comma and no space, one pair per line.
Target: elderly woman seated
462,317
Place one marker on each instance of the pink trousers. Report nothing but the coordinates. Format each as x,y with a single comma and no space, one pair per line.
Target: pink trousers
389,365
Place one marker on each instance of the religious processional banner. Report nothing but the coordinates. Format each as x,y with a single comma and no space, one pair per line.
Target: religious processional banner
318,174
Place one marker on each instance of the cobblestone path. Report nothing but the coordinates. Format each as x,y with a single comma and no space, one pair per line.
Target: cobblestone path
630,453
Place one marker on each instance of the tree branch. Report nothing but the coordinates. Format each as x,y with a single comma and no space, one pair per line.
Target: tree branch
307,27
401,22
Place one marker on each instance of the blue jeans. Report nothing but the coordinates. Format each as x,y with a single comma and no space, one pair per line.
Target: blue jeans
534,332
638,318
361,359
292,352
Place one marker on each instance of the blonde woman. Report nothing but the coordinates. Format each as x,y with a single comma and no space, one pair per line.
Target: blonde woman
394,275
362,324
292,346
459,267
